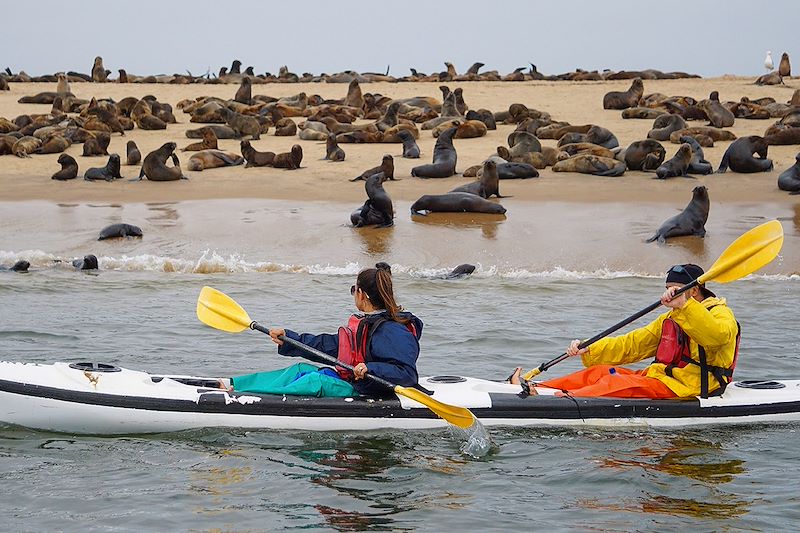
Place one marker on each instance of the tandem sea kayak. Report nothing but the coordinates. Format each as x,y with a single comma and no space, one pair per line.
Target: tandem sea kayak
92,398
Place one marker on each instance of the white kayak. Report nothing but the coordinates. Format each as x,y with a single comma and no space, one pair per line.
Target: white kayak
92,398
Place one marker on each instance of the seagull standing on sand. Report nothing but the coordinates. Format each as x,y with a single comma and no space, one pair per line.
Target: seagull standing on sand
768,64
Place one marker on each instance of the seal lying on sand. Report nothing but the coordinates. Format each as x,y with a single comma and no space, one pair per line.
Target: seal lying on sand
213,159
739,156
488,185
678,165
444,158
155,164
789,180
118,231
69,168
110,172
690,221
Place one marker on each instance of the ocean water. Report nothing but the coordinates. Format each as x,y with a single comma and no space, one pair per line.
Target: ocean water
135,314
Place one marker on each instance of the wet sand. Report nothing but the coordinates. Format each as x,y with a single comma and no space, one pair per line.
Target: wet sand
560,220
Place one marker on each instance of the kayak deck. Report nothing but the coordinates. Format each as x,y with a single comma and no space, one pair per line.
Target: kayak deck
110,400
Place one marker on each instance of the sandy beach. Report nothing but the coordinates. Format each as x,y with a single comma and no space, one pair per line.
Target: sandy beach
606,218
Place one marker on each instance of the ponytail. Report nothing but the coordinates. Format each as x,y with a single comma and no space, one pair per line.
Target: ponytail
377,283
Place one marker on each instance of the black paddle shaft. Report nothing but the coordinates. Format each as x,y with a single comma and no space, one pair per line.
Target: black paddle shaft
322,355
615,327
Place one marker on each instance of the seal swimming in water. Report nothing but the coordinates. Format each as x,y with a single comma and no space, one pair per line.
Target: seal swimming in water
213,159
690,221
455,202
410,148
134,156
789,180
444,158
155,168
487,185
378,209
118,231
89,262
739,156
644,155
20,266
678,165
461,271
110,172
69,168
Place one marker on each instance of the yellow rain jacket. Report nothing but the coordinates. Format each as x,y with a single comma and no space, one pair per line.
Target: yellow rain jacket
715,329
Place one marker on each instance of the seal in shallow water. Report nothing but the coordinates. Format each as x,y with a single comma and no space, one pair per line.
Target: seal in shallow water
119,231
378,209
690,221
456,202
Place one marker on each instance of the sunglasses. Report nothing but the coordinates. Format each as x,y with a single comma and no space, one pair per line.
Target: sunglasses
353,289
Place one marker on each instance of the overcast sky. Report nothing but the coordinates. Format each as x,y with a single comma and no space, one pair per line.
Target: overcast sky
707,37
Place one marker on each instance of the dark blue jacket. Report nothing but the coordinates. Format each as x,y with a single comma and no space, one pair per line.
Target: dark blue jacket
394,351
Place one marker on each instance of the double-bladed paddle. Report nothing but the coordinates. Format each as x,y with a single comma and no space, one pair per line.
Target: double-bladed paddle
220,311
745,255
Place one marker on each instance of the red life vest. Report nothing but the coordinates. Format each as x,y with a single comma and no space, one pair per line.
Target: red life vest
674,352
354,341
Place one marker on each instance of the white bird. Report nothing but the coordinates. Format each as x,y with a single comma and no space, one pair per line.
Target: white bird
768,64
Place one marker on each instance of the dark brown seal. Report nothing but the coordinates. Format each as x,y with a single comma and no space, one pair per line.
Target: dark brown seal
386,168
444,158
97,145
664,125
678,165
99,73
333,152
789,180
289,160
254,157
285,127
209,142
455,202
155,164
644,155
110,172
718,115
410,147
134,156
785,68
488,185
69,168
690,221
624,100
378,209
739,156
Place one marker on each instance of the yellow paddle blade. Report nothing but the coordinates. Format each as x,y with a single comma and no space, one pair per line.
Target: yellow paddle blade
458,416
747,254
220,311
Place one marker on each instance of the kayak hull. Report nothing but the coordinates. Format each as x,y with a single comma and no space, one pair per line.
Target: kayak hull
89,399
